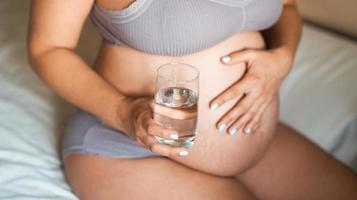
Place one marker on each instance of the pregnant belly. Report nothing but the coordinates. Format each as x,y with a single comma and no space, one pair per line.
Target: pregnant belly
133,74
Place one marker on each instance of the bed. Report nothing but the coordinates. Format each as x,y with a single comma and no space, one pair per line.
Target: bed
318,98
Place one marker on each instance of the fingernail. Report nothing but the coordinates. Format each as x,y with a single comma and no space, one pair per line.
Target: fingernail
221,127
214,106
174,136
183,153
248,130
226,59
233,131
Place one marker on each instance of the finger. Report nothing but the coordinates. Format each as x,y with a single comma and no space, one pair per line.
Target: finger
256,127
168,151
237,111
253,124
165,150
180,114
235,91
242,121
160,131
243,56
155,129
248,84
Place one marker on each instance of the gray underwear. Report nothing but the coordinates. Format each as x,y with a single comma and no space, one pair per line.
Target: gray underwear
86,134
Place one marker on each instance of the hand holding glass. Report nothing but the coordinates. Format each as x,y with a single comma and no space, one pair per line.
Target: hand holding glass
176,97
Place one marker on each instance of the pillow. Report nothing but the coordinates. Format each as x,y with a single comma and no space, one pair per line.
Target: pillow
319,98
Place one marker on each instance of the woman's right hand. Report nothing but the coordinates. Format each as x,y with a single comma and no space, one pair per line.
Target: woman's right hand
144,128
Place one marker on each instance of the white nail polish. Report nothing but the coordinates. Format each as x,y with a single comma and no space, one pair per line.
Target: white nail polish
183,153
174,136
214,106
221,127
248,130
226,59
233,131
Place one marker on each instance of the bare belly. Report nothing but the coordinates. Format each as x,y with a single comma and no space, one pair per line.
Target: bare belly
133,74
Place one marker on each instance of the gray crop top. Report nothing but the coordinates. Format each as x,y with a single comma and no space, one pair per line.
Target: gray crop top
179,27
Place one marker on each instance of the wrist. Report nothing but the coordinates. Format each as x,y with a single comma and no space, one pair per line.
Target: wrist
285,55
122,114
128,110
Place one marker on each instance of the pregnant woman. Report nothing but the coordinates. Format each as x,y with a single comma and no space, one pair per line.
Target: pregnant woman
243,50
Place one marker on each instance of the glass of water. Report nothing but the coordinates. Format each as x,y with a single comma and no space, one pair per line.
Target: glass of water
176,98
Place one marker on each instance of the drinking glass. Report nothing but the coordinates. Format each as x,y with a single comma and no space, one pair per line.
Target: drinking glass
175,102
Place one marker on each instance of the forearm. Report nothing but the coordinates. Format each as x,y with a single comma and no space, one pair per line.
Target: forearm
66,73
285,35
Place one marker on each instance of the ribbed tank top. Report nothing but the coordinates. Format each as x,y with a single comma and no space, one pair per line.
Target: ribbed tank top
180,27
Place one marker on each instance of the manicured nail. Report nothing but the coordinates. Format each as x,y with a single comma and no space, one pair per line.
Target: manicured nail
248,130
214,106
221,127
233,131
183,153
226,59
174,136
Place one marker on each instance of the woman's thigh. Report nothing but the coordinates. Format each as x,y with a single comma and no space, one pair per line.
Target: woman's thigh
295,168
94,177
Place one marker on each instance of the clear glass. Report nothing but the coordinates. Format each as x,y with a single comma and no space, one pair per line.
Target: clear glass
176,98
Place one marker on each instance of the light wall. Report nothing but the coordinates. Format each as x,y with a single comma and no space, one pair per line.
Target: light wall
340,15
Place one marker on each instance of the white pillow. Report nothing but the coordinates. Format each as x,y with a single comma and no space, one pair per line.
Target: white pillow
319,96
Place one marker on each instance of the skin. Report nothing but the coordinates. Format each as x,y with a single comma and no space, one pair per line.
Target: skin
234,166
266,71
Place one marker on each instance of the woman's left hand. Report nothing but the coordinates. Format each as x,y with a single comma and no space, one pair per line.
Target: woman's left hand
255,90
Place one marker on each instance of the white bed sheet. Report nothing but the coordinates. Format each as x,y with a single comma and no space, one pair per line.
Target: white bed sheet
31,118
318,98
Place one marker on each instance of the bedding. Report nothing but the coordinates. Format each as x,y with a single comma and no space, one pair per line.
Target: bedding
318,98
